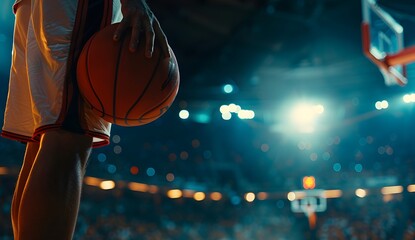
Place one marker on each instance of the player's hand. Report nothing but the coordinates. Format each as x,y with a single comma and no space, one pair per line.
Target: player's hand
138,16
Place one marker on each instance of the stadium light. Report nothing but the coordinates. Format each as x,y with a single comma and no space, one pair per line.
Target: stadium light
107,185
184,114
246,114
391,190
138,187
249,197
304,117
174,193
216,196
409,98
91,181
361,193
379,105
226,116
199,196
309,182
228,110
291,196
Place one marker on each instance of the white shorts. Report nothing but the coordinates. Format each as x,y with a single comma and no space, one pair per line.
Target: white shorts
43,95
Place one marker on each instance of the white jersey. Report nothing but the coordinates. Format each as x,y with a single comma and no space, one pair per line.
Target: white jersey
39,89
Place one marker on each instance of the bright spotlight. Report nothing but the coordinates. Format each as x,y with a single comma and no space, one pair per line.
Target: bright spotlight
302,114
184,114
391,190
174,193
250,197
107,185
379,105
234,108
304,117
291,196
228,110
360,193
409,98
406,98
384,104
199,196
224,109
226,116
319,109
246,114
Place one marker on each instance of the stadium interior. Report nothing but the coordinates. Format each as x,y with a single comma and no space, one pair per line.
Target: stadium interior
277,103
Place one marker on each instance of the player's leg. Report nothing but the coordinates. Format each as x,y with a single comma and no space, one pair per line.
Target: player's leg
17,114
30,154
50,200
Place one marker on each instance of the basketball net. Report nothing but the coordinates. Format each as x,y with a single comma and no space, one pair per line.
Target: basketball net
393,77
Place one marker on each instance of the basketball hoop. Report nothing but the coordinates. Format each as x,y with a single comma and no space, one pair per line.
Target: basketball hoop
382,40
309,202
393,77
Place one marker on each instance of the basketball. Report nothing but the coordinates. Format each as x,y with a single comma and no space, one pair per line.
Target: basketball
123,87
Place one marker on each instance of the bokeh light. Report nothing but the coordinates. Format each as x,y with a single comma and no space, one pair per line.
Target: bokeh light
184,114
174,193
228,88
361,193
107,185
249,197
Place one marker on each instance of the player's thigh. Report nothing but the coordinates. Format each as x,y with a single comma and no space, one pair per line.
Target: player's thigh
66,144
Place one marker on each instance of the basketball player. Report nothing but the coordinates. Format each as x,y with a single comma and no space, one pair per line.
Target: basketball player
44,110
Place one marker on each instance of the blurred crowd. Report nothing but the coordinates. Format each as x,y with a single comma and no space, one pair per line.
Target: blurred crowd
122,214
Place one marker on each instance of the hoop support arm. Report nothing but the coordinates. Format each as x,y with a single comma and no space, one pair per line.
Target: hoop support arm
405,56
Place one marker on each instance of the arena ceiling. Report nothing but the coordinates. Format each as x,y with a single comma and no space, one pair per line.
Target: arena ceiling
270,51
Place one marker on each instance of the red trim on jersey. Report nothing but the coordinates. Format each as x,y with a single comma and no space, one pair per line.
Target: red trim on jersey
105,139
41,130
15,136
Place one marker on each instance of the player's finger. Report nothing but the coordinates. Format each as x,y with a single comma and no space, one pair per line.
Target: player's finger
135,35
149,33
122,26
161,38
